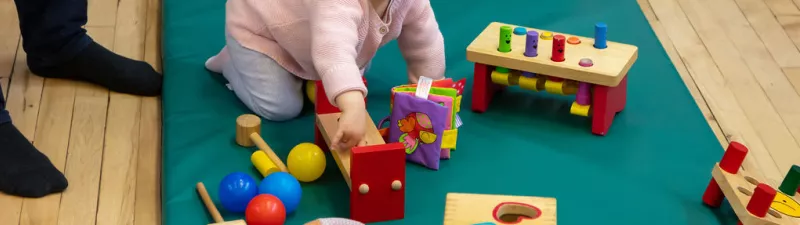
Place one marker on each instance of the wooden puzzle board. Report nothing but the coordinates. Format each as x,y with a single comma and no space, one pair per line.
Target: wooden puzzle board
469,209
738,189
610,64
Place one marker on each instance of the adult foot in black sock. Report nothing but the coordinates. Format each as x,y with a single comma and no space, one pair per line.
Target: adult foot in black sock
24,171
100,66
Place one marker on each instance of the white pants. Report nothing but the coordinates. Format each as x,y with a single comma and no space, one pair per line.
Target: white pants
263,85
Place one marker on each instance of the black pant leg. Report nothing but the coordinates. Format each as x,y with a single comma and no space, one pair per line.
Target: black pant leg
52,30
4,117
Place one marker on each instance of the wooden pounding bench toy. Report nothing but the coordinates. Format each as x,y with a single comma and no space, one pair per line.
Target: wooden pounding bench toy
483,209
595,70
754,203
375,173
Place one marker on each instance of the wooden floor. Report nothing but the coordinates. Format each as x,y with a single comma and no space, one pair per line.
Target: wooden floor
739,59
107,144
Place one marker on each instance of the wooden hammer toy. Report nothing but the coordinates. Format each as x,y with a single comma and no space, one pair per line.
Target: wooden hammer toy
248,134
201,189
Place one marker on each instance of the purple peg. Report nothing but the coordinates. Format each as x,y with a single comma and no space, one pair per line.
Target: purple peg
583,94
531,44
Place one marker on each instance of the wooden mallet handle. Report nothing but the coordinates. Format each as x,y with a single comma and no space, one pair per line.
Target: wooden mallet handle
264,147
201,189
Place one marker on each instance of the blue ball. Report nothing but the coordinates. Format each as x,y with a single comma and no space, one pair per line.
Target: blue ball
284,186
236,190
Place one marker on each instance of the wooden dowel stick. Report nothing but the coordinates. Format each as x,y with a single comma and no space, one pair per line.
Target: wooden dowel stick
201,189
271,154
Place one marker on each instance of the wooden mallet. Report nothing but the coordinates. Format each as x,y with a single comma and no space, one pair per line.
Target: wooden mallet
248,134
201,189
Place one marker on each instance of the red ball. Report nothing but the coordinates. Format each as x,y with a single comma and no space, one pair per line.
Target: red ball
265,209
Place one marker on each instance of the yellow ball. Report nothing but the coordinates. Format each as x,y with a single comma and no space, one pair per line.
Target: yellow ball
306,162
311,90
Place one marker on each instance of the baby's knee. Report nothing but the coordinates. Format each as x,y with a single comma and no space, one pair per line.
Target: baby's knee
279,111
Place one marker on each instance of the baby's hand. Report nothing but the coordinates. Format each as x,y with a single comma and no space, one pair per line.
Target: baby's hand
352,121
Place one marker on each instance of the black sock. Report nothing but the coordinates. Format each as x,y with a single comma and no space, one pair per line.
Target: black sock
24,171
100,66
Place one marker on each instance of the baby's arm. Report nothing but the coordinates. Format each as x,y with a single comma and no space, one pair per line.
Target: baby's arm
422,44
334,31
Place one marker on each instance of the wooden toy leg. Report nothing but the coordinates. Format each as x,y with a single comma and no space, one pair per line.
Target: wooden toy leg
713,196
483,89
731,160
378,177
323,106
606,103
318,139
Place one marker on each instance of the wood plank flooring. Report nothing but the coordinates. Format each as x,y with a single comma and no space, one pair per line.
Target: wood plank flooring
740,60
108,144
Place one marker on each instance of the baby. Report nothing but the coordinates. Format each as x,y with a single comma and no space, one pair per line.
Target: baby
272,46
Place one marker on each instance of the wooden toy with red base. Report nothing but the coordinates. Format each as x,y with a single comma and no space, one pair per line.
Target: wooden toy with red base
593,69
755,203
375,173
480,209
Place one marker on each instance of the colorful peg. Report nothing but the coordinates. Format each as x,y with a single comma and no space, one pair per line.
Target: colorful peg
547,35
558,48
505,39
532,44
762,199
733,157
519,30
583,94
573,40
791,182
600,31
586,62
528,74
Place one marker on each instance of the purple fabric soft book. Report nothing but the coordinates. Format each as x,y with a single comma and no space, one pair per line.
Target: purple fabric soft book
418,124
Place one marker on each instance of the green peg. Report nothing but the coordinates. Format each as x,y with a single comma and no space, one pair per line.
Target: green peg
501,69
505,39
791,181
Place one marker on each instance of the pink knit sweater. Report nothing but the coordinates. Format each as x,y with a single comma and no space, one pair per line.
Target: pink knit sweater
333,40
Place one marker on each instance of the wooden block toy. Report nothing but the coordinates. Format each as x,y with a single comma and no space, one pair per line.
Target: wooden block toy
483,209
201,189
375,173
754,202
248,134
593,68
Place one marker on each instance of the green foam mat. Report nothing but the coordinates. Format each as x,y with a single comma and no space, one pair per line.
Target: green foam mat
651,168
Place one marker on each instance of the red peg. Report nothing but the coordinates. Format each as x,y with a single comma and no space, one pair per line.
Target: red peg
558,48
713,196
762,198
733,157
